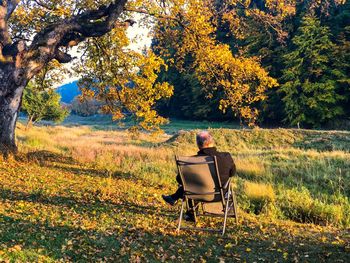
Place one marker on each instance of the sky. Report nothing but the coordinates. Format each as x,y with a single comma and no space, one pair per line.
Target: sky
139,36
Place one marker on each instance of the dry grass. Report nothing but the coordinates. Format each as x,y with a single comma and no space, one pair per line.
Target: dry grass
251,167
269,163
257,191
77,194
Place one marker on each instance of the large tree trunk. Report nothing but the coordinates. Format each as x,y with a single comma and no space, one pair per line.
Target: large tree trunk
10,101
8,119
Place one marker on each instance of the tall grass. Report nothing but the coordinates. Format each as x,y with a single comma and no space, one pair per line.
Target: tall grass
290,174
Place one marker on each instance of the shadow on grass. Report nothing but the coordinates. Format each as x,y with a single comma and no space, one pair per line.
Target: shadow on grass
76,244
67,164
92,205
44,156
79,170
76,170
56,242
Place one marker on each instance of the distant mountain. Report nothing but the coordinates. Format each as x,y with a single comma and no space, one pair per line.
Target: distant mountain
68,91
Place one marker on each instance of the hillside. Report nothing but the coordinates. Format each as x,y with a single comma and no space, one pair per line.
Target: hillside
77,194
68,91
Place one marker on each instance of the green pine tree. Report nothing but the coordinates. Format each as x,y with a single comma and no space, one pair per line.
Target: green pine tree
310,88
340,25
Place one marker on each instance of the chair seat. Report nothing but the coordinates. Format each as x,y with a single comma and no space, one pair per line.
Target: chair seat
205,198
215,208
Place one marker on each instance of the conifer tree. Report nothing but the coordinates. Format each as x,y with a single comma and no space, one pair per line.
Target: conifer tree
340,25
309,82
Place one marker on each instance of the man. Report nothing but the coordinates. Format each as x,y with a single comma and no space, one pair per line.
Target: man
226,166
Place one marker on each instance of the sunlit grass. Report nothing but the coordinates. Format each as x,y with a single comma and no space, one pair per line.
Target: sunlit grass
82,194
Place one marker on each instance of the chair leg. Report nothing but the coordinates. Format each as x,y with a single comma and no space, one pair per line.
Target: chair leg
194,212
234,206
181,213
226,211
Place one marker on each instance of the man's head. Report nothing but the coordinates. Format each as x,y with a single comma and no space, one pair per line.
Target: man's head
204,140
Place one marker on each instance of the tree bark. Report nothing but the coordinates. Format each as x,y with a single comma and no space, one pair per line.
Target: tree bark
9,108
7,130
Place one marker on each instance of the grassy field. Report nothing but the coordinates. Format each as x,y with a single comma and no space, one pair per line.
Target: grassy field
88,194
105,122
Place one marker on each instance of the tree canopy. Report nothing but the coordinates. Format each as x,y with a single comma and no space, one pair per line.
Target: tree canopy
305,42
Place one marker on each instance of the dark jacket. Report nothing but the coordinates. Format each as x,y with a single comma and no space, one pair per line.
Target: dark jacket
226,165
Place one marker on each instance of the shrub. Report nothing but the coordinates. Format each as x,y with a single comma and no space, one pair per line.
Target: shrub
296,204
300,206
326,214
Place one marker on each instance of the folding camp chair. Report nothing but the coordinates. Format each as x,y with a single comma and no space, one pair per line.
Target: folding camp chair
203,190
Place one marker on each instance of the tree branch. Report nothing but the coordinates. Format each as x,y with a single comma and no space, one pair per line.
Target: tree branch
11,6
62,57
70,32
44,5
145,12
6,10
13,49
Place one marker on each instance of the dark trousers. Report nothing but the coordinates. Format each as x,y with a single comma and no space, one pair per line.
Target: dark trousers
180,191
180,194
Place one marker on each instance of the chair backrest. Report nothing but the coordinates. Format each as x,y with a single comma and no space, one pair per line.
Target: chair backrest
200,178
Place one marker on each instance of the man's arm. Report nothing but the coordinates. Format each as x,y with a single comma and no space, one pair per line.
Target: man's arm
233,166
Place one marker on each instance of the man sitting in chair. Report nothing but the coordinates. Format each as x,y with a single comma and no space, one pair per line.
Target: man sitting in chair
226,166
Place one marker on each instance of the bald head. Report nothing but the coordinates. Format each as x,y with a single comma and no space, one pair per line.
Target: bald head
204,140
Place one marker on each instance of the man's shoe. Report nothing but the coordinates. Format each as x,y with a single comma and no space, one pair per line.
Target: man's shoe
169,199
189,216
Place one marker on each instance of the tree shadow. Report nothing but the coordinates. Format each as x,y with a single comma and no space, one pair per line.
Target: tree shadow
67,164
76,170
66,243
58,242
43,156
94,172
81,206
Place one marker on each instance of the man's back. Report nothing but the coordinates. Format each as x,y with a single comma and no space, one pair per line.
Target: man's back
226,166
225,162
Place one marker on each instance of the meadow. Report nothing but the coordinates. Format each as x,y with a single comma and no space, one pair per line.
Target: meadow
92,194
